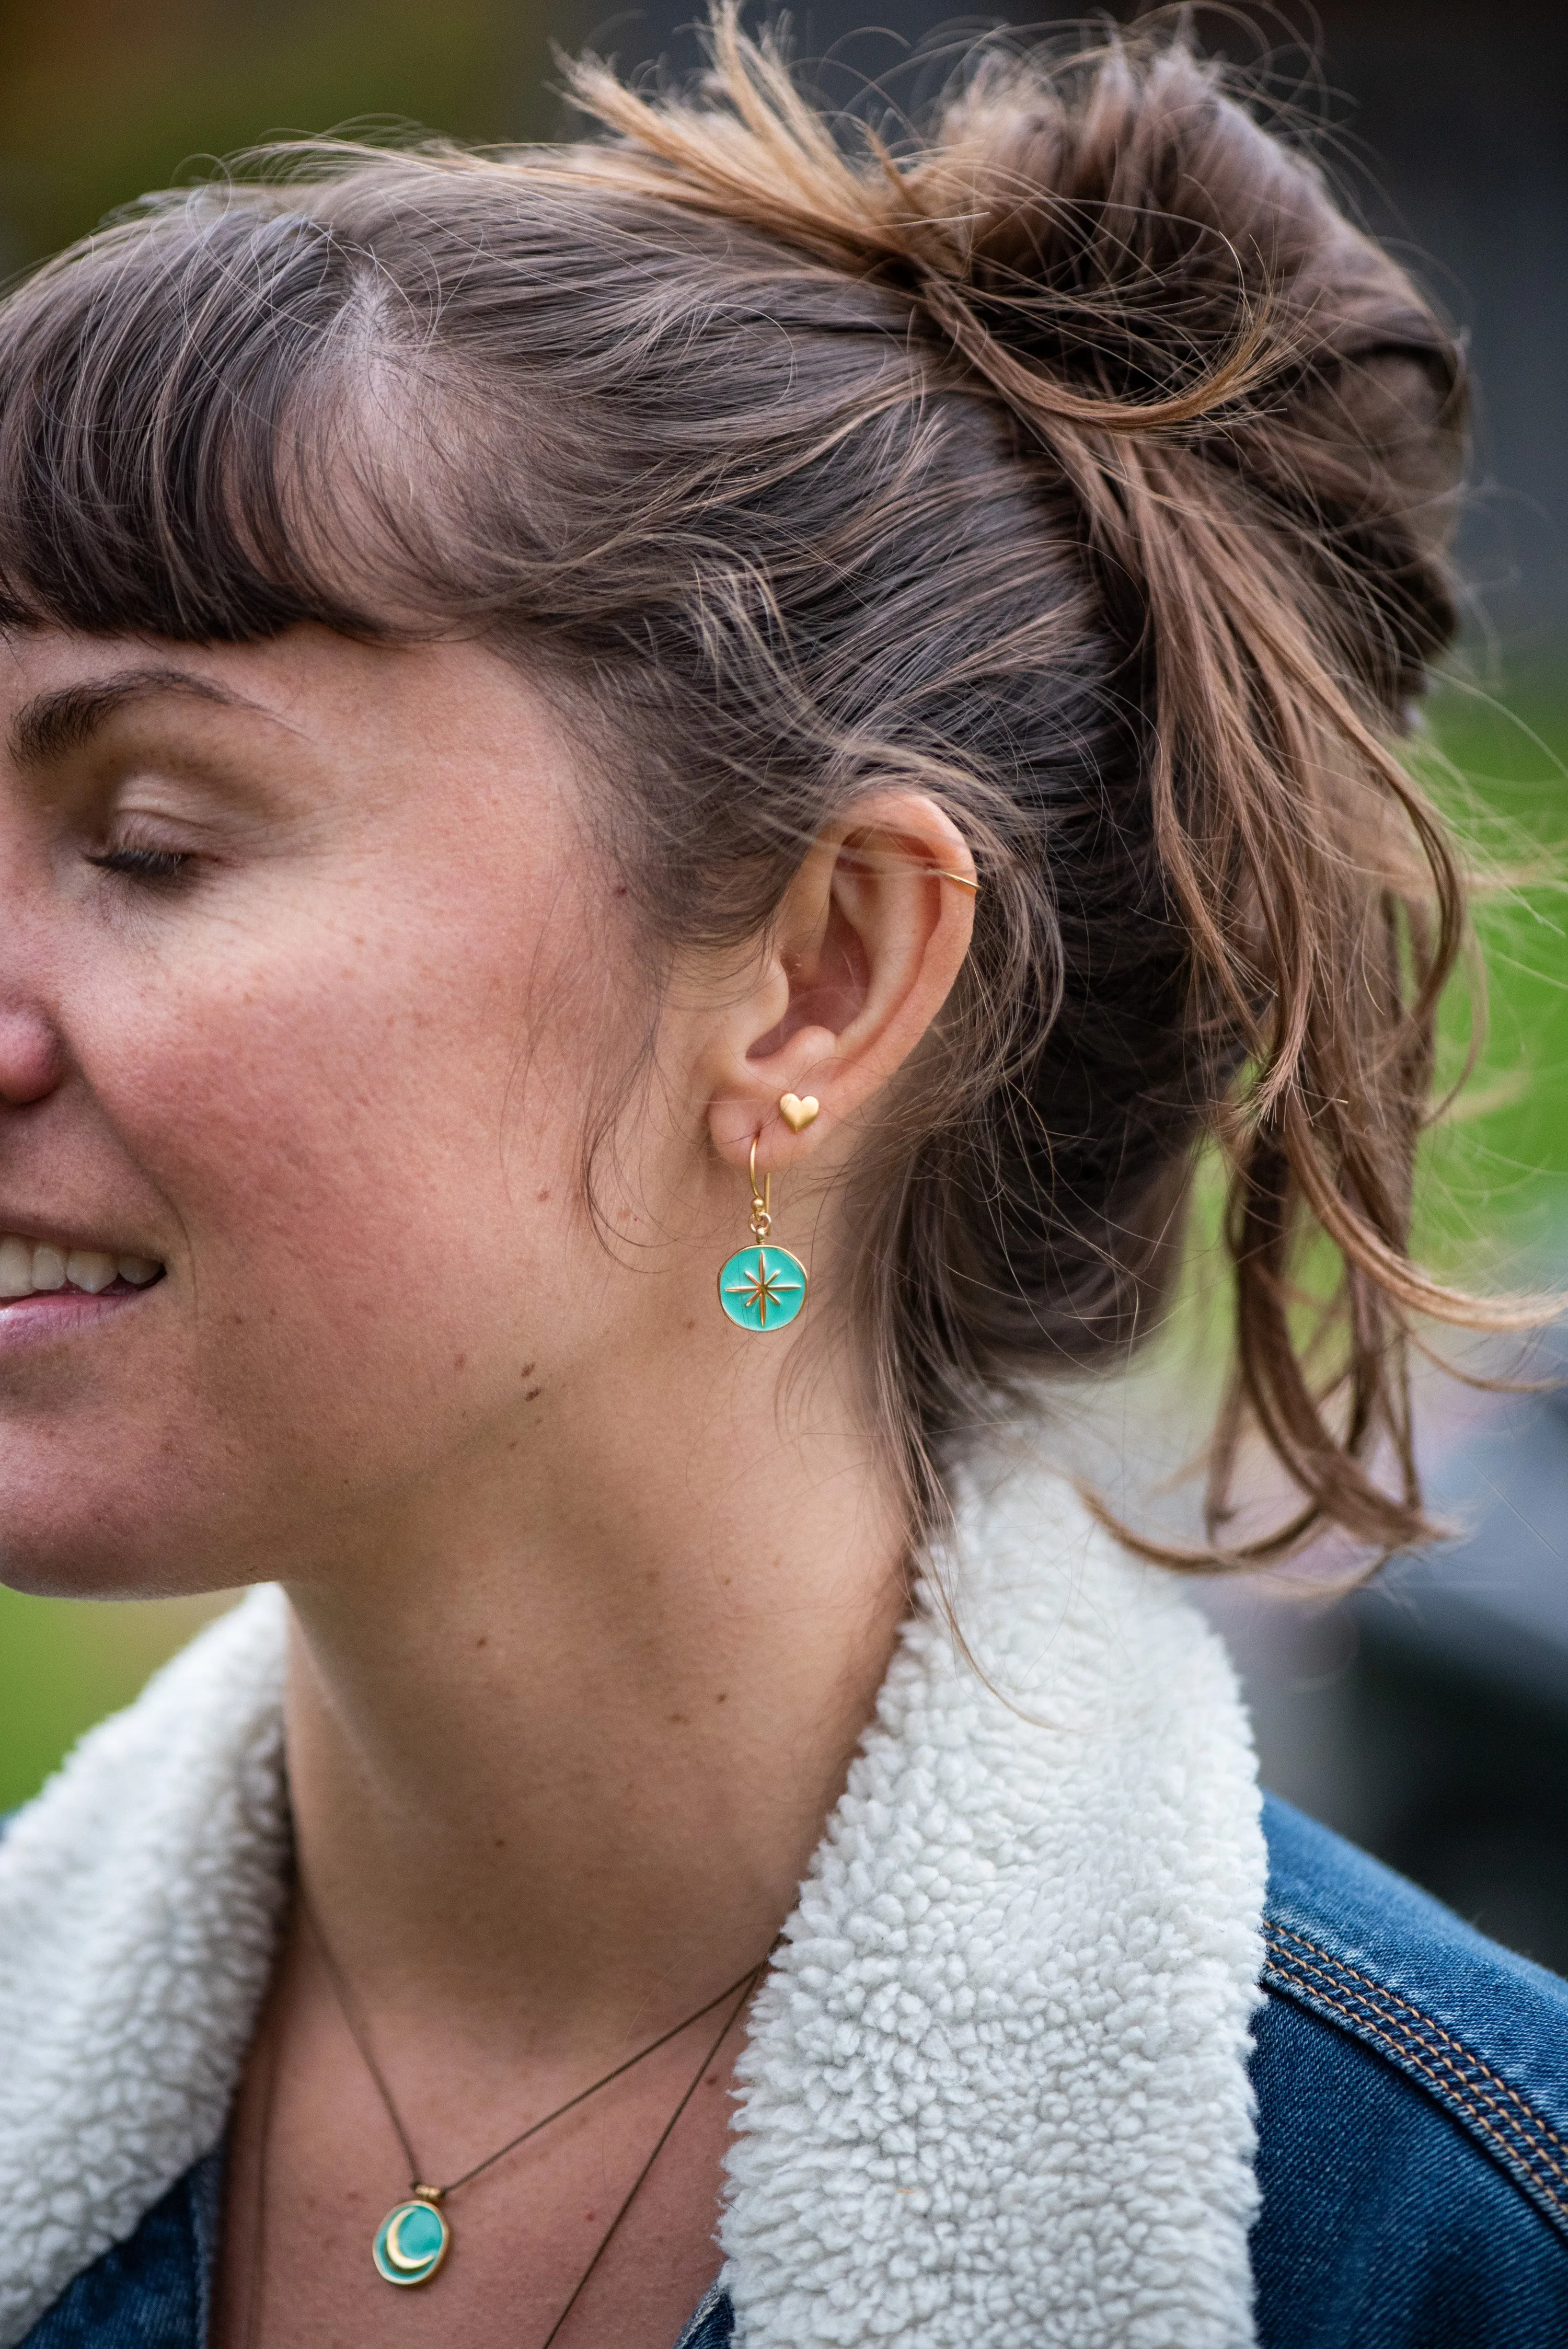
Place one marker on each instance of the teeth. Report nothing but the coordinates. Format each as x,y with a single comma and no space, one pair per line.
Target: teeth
27,1266
90,1269
48,1267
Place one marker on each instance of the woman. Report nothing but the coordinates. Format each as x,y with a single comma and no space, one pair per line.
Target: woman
656,794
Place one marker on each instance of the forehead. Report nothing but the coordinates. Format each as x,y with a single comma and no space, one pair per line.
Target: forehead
451,709
61,689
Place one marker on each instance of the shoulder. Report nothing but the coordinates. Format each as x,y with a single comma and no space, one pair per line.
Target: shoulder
155,2288
1412,2087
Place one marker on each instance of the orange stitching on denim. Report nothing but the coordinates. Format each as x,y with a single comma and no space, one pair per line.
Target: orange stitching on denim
1395,1999
1309,1990
1447,2061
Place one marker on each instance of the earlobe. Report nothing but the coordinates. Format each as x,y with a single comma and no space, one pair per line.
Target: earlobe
774,1098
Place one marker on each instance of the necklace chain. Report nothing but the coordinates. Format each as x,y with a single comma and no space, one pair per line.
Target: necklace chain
733,2000
361,2038
606,2239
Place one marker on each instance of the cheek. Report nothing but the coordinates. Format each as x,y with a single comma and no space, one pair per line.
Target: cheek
365,1134
369,1161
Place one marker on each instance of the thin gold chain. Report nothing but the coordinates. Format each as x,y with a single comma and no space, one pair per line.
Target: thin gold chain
361,2038
741,1990
253,2296
256,2278
604,2240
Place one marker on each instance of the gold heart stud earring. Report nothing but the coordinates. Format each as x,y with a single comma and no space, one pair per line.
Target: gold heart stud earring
797,1114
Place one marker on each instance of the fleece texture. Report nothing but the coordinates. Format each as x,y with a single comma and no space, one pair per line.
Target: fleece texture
139,1902
994,2091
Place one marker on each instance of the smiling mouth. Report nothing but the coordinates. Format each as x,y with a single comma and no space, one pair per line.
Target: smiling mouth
47,1267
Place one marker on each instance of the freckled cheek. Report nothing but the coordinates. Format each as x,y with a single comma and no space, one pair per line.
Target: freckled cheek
336,1142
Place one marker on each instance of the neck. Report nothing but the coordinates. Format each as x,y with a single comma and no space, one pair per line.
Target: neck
561,1745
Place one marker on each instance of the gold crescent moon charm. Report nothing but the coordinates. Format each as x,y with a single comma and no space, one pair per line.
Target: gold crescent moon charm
411,2243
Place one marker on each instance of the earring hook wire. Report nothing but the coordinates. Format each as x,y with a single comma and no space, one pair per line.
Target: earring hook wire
761,1201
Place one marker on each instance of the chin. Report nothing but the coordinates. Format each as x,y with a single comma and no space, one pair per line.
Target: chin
107,1536
69,1565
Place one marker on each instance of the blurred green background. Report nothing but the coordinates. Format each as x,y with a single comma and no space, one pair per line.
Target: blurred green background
1450,122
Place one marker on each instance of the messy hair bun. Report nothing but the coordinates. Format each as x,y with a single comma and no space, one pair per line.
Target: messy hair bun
1076,458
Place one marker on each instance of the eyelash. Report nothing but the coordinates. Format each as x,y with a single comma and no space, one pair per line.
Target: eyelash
151,865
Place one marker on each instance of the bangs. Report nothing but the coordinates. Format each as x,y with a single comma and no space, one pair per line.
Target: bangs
174,397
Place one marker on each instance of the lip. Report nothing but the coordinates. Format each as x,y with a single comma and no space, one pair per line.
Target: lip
52,1314
45,1229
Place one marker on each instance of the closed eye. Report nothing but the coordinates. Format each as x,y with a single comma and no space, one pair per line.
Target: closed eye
143,864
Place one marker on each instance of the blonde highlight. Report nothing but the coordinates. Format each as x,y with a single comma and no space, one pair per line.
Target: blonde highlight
1073,457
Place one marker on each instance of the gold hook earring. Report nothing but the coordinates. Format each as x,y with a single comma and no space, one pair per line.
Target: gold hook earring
762,1287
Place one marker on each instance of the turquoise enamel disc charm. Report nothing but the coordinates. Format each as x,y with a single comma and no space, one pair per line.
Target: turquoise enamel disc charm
762,1287
411,2243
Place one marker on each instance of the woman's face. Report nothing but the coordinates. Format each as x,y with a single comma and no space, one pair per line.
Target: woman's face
303,1000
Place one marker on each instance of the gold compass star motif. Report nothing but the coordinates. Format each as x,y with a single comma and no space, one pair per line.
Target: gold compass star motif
760,1288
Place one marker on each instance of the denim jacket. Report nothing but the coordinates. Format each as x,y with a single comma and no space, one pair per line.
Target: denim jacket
1412,2091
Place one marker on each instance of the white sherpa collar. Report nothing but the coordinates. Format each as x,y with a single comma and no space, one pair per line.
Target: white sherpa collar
996,2090
139,1899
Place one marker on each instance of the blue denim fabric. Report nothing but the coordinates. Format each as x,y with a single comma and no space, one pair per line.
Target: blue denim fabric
153,2292
712,2326
1412,2087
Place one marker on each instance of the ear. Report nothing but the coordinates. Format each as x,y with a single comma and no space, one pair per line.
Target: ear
869,936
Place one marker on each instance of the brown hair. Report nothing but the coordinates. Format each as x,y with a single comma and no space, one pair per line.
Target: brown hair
1076,458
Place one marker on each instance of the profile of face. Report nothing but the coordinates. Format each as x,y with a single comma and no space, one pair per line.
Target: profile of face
302,1002
314,985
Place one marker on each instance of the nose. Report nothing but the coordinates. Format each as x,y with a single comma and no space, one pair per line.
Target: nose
31,1059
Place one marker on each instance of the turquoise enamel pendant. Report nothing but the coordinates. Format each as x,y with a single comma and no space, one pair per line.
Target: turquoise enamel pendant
411,2243
762,1287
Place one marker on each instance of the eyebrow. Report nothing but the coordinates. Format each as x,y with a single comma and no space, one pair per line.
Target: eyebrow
53,724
